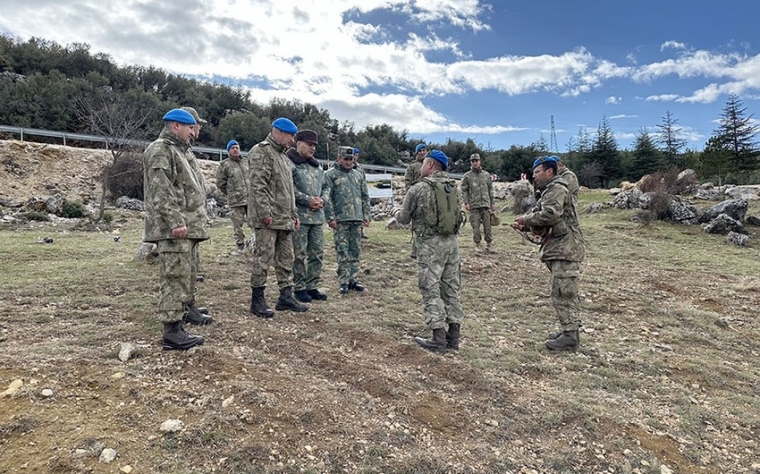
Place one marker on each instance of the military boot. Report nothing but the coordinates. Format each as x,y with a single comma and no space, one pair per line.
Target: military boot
176,338
287,302
452,336
317,295
259,304
554,334
568,341
303,296
194,315
437,343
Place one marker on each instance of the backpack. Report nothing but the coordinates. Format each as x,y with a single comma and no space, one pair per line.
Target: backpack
448,217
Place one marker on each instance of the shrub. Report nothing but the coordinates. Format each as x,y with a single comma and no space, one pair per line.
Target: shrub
72,209
107,217
34,216
125,176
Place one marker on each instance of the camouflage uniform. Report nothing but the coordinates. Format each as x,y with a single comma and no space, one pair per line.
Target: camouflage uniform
174,197
572,181
412,176
309,241
477,191
563,252
271,194
438,262
232,180
348,206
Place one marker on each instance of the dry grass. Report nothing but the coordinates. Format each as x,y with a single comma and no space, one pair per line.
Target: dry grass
667,374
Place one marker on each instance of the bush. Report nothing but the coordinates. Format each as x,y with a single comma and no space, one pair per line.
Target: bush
34,216
125,176
72,209
107,217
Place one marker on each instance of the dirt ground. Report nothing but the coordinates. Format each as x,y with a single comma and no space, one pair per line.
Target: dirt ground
661,386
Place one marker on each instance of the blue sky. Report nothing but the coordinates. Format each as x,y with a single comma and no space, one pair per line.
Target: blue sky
495,72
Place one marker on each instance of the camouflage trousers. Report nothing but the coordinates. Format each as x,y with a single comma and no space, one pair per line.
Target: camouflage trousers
238,216
348,249
439,278
177,264
478,217
308,245
565,298
273,248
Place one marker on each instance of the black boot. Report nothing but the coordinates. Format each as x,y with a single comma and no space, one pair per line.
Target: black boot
259,304
437,343
303,296
194,315
317,295
568,341
175,337
344,288
356,286
554,334
452,336
287,301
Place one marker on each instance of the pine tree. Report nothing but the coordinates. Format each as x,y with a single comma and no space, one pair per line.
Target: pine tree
671,139
604,151
646,157
737,134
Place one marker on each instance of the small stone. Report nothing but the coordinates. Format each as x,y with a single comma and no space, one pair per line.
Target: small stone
12,388
126,469
228,401
665,470
47,392
171,426
117,376
127,348
107,455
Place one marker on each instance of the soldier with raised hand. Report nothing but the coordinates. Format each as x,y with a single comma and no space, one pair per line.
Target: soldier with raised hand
436,227
175,219
562,250
346,211
311,194
272,214
232,181
477,192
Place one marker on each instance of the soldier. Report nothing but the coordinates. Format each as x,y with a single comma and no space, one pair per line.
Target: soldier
272,215
562,250
358,167
477,192
232,180
436,226
175,219
311,194
412,176
570,178
346,211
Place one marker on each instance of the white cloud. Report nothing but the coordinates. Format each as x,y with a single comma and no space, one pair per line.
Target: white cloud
613,100
672,45
622,116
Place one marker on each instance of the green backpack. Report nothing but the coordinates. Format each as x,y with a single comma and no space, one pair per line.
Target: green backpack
447,209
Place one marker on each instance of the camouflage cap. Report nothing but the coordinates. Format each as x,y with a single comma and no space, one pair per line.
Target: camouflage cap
195,115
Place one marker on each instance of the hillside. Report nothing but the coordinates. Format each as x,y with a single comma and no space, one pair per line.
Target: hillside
666,380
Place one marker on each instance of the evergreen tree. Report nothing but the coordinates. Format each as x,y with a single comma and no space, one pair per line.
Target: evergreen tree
737,134
604,151
646,157
671,140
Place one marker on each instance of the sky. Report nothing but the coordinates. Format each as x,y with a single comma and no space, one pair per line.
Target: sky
500,73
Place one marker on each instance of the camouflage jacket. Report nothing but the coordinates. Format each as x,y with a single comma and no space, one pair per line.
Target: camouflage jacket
413,174
477,189
232,180
556,209
349,197
572,181
308,181
270,192
174,196
190,156
420,206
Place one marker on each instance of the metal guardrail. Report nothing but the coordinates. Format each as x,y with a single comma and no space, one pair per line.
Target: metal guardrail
221,152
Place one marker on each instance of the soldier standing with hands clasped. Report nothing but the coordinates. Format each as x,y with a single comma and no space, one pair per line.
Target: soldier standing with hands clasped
562,248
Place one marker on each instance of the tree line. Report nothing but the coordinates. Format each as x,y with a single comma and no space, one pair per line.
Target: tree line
68,88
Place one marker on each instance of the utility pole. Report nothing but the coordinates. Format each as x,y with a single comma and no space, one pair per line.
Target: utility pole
553,141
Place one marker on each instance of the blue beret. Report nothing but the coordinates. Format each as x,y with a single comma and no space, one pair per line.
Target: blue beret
545,159
285,125
419,147
232,143
179,115
440,157
356,151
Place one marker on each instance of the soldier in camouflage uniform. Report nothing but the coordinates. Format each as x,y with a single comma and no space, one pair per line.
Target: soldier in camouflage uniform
437,258
311,194
570,178
232,180
272,215
562,249
477,192
175,219
346,211
412,176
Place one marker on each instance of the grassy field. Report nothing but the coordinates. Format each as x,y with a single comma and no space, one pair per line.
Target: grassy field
666,380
